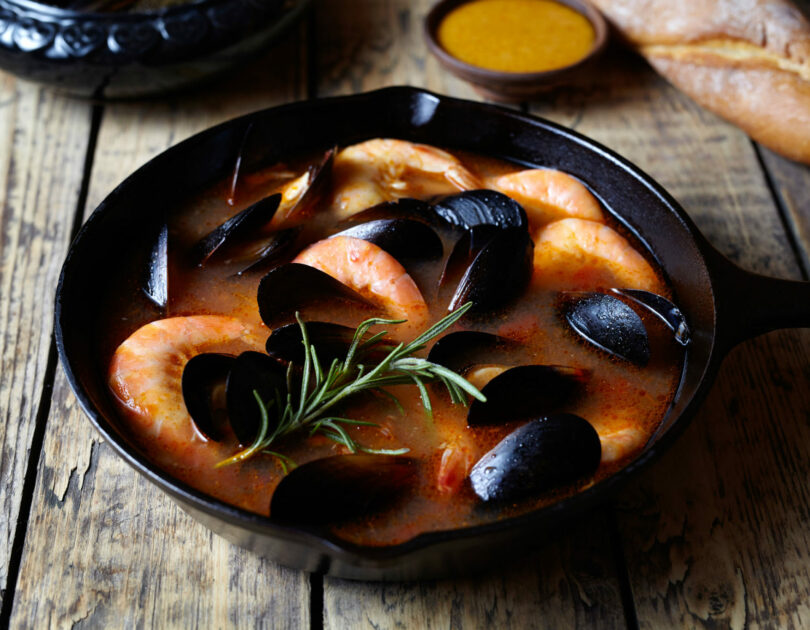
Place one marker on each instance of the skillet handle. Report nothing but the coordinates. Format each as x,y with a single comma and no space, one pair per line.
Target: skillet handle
750,304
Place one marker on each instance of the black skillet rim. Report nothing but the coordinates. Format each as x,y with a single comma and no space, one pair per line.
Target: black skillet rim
318,540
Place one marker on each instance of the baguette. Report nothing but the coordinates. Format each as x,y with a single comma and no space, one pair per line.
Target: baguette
746,60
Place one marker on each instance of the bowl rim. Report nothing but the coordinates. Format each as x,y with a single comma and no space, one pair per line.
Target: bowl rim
318,538
57,12
480,75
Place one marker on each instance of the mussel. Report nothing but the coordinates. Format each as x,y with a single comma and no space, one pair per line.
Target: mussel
404,239
236,229
662,308
527,391
319,178
481,207
254,374
406,208
292,286
271,249
203,386
461,350
498,274
545,453
335,489
156,284
466,248
331,341
220,390
607,323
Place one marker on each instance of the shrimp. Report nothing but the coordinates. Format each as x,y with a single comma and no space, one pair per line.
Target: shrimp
548,195
370,271
580,254
146,371
620,443
383,170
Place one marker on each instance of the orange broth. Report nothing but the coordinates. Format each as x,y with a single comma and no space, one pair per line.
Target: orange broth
618,393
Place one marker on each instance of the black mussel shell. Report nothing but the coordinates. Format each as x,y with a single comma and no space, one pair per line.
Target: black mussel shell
320,179
238,227
272,250
203,385
498,274
404,239
609,324
661,307
156,285
543,454
526,391
292,287
331,341
482,207
332,490
464,252
461,350
252,374
406,208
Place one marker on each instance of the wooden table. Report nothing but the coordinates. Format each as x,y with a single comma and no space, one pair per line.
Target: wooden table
715,534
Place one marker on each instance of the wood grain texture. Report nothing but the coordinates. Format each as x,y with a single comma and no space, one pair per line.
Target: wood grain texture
376,43
571,582
792,183
105,548
716,532
44,141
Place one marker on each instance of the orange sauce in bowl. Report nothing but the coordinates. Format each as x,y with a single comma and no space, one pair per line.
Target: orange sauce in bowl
518,36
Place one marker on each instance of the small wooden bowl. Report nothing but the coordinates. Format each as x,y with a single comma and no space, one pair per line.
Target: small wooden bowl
514,86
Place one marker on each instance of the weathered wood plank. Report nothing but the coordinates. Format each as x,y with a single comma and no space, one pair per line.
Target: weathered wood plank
572,582
105,547
376,43
569,583
716,532
44,141
792,183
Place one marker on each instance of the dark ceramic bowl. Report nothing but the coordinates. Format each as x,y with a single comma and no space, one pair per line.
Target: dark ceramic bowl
512,87
722,303
125,55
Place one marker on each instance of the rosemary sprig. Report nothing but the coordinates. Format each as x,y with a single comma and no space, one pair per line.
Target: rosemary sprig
308,406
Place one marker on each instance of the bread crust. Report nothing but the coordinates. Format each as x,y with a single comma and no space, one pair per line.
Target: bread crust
746,60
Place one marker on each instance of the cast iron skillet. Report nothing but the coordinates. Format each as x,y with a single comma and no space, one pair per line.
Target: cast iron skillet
722,303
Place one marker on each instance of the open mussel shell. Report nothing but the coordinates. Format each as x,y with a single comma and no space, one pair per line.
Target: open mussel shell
271,250
607,323
203,385
237,228
545,453
461,350
320,179
481,207
156,284
526,391
464,252
404,239
254,374
331,341
498,274
662,308
292,287
405,208
335,489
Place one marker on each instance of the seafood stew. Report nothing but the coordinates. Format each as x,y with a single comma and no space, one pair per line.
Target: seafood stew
555,330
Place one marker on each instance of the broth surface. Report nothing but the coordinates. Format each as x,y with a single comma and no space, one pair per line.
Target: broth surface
618,394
